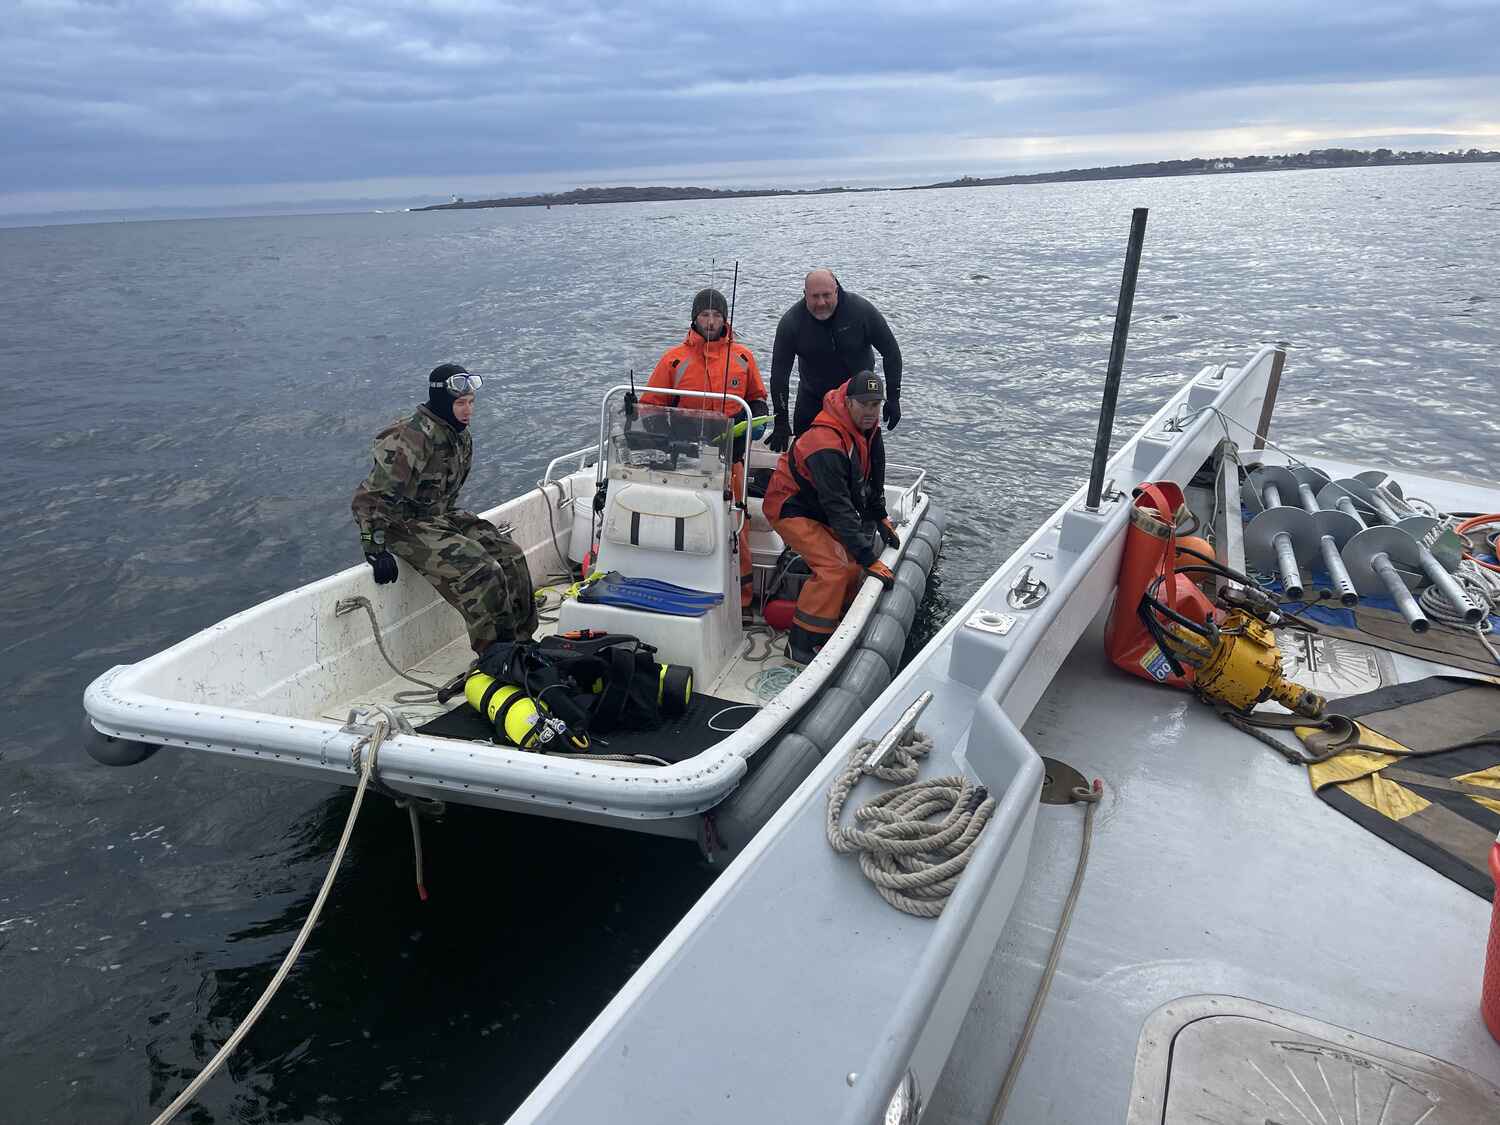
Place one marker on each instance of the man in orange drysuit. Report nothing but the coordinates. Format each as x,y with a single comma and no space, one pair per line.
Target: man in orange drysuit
825,491
711,359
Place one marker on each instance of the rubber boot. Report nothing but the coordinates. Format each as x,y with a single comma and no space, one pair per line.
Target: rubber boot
802,646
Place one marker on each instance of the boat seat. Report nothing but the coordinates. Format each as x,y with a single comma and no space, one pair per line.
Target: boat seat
653,518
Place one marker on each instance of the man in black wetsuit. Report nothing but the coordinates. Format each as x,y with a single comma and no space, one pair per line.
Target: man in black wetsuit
833,335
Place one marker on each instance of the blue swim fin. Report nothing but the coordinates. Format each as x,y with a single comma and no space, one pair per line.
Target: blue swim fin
681,593
649,594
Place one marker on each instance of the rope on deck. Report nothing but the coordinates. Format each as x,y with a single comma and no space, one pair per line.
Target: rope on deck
913,860
1090,799
432,692
366,772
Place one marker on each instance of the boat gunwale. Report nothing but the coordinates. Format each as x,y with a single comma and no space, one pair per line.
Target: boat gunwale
904,1026
454,768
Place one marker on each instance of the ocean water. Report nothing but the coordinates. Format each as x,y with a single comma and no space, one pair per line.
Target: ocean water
186,406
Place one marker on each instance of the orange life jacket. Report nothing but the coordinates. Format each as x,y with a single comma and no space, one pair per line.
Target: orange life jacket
833,429
697,364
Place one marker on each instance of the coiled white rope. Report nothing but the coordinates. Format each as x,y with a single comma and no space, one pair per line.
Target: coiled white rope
914,861
1483,589
366,772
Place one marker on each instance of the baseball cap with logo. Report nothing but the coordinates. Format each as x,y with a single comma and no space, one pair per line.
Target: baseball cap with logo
867,387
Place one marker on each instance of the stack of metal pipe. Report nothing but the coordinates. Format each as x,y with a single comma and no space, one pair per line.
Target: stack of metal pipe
1367,538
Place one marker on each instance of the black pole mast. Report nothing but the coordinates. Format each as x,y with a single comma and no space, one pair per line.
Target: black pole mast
1116,357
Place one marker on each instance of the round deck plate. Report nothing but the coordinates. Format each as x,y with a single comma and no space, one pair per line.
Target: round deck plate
1059,781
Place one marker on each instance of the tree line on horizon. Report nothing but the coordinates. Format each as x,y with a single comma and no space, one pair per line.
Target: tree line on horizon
1195,166
1198,165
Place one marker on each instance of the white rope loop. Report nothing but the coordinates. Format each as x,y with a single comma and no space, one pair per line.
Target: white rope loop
365,773
913,860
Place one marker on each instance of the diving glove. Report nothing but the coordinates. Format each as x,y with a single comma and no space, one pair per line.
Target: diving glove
381,561
781,436
878,569
384,566
887,532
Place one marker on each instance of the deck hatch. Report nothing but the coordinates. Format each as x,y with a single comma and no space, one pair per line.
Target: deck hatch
1232,1061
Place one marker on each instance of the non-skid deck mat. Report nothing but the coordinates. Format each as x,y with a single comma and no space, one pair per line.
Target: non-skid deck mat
1433,808
675,740
1376,622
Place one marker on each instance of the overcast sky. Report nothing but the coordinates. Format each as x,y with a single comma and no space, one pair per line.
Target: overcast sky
154,103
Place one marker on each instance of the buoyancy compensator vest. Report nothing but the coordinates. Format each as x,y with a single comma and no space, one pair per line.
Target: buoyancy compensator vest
619,680
579,683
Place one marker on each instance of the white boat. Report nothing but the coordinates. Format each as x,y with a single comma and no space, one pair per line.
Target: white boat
298,682
1240,953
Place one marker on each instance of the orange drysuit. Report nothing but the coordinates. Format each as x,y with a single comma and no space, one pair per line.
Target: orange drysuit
826,490
698,364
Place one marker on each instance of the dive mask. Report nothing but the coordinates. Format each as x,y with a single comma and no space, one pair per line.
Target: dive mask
460,384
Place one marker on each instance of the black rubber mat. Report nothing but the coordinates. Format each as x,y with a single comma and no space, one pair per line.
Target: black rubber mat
707,721
1453,834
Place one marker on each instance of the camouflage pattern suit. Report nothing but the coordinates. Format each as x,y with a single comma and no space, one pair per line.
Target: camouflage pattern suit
411,495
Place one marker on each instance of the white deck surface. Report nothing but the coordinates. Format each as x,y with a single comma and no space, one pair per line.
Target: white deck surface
740,681
1214,869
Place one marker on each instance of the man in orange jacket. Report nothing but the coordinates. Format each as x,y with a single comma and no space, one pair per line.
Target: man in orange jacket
825,491
711,359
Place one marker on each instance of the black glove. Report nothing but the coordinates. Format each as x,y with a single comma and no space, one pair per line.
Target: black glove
891,414
781,436
888,534
383,564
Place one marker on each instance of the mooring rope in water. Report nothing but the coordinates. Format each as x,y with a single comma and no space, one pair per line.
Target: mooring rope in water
366,772
914,862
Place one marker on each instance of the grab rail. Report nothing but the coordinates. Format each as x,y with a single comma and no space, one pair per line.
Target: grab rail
581,455
909,493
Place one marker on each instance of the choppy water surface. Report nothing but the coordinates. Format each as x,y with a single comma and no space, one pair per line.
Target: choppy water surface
185,408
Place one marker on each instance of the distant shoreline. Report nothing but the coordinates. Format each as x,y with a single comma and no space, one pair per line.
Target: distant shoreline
1198,166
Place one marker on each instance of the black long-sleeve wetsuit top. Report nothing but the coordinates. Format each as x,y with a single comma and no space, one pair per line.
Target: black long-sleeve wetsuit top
828,352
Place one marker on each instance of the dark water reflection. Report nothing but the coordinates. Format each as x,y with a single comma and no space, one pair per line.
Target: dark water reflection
185,408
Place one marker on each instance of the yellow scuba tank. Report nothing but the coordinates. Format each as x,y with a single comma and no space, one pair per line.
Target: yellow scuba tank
516,717
674,688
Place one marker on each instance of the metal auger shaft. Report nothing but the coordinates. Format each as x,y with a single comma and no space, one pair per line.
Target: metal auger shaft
1282,539
1381,564
1427,533
1272,496
1346,505
1333,562
1449,586
1286,566
1384,510
1384,562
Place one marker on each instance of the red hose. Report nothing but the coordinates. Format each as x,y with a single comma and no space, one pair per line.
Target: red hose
1479,521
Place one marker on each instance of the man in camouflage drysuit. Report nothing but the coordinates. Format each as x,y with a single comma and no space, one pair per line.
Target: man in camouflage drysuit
406,508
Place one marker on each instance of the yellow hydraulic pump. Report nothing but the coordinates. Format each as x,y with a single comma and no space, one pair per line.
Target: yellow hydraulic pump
1240,665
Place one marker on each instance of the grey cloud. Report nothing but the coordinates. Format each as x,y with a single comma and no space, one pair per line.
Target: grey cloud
97,96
